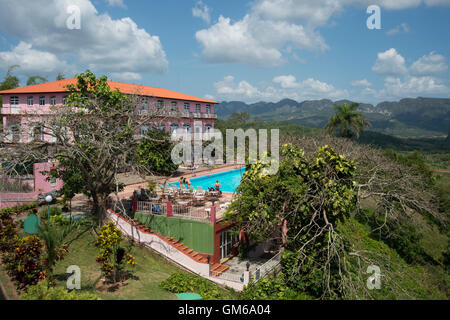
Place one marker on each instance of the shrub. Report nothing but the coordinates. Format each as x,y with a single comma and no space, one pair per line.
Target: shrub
42,291
8,232
54,211
185,282
112,256
59,220
271,288
24,263
17,209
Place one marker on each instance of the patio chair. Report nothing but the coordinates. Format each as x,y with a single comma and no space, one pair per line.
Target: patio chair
225,205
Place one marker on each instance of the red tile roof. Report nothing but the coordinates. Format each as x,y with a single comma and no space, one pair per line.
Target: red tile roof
59,86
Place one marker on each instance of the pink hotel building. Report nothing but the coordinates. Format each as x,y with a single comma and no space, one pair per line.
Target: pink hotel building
25,108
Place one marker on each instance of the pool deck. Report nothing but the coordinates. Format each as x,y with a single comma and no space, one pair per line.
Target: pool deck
135,182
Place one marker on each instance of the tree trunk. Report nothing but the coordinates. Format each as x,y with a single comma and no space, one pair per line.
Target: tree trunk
99,208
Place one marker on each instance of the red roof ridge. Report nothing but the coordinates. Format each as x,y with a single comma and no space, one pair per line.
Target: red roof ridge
129,88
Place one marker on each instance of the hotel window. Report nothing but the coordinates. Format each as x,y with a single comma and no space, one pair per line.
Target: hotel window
53,100
197,108
64,100
42,101
160,103
187,127
144,130
174,106
186,107
144,103
208,109
14,101
30,101
173,127
161,127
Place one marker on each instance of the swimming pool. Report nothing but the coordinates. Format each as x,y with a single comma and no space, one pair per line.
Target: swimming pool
228,179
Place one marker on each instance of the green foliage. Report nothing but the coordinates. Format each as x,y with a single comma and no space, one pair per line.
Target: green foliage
10,81
184,282
17,209
350,122
398,279
317,192
414,160
54,238
32,80
23,264
154,152
8,228
112,256
54,211
271,288
239,118
44,291
323,183
59,220
402,236
60,76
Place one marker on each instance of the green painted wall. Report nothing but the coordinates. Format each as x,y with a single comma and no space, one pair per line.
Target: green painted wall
196,235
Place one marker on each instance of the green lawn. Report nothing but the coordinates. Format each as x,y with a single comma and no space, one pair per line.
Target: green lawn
150,270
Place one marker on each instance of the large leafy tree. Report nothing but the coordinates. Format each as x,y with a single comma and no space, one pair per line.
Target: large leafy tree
349,121
9,82
154,152
32,80
298,208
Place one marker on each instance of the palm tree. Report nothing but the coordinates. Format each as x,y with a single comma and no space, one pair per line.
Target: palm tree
348,120
54,238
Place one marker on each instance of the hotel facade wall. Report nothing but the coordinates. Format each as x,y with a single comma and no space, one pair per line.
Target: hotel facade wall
27,117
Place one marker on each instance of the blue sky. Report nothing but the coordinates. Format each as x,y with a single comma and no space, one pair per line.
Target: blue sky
236,50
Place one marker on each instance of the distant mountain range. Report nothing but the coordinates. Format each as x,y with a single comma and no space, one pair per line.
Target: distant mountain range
419,117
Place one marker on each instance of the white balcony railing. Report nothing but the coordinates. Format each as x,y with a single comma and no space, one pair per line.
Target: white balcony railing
15,109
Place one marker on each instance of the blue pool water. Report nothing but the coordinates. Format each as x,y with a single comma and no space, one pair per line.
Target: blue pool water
228,179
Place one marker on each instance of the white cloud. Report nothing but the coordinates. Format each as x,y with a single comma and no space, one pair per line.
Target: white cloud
310,12
32,61
429,64
271,25
254,41
390,62
102,44
116,3
287,87
361,83
413,87
398,29
126,76
287,82
202,11
228,87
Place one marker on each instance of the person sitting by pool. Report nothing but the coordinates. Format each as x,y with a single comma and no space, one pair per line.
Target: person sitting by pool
181,182
217,185
187,182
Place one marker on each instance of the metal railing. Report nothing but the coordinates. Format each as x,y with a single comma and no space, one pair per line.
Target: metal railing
185,212
263,270
152,207
16,185
234,277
